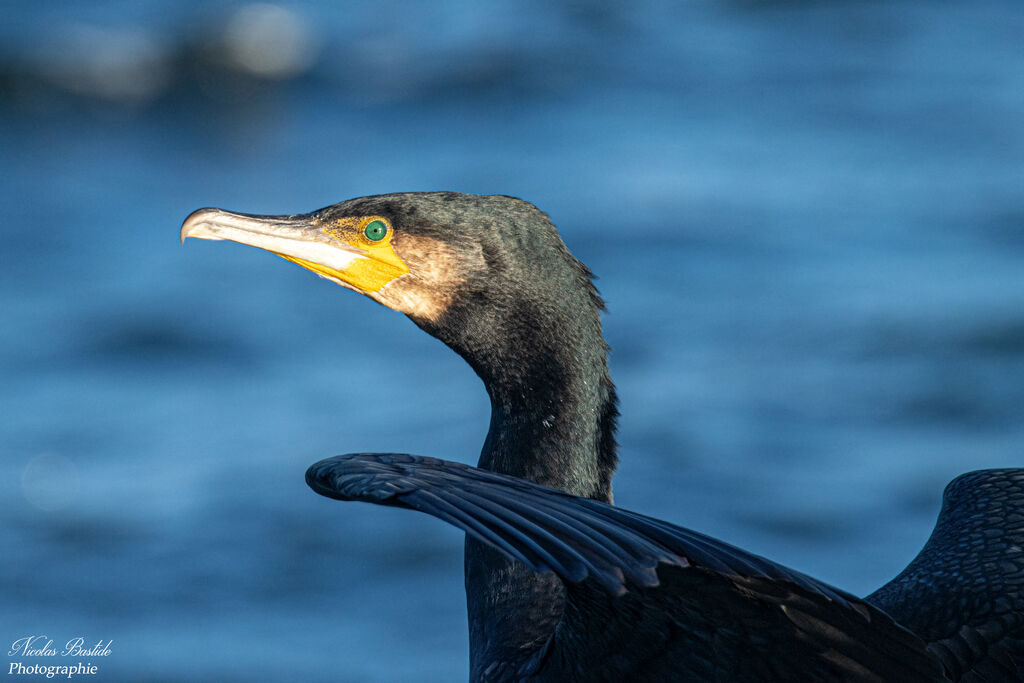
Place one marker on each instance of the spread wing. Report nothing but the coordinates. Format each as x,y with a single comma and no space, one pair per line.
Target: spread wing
694,605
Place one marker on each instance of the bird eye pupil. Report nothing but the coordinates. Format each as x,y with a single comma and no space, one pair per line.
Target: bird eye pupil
375,230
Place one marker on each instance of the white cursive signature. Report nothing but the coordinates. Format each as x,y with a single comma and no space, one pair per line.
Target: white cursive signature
41,646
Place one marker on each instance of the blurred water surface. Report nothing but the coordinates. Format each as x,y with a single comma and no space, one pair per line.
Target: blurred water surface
807,219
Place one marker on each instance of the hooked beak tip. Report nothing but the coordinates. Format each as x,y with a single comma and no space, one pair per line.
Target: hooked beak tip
196,221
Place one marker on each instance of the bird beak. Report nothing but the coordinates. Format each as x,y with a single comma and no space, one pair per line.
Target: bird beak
333,252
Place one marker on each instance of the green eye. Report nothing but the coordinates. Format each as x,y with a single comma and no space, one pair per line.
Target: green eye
375,230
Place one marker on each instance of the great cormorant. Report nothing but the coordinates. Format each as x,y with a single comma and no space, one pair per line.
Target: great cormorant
560,584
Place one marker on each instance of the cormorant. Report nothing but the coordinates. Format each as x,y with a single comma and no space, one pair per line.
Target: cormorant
560,584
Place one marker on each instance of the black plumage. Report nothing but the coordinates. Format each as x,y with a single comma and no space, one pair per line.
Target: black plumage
697,608
964,592
560,584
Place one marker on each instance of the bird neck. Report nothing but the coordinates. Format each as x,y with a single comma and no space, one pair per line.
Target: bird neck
553,423
534,338
553,412
553,404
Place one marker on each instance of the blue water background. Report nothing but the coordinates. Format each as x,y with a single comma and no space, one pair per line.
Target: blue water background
807,219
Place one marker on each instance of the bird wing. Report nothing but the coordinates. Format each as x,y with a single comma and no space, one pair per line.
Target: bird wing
679,586
964,592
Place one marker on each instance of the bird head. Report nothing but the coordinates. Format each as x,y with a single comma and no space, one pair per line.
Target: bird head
416,253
